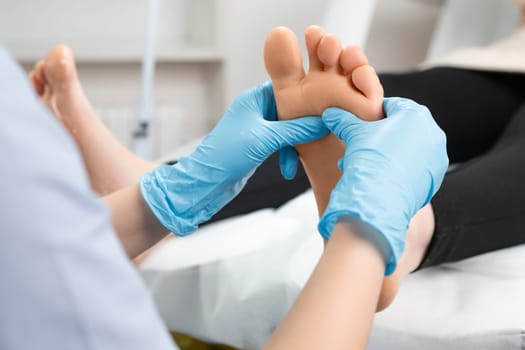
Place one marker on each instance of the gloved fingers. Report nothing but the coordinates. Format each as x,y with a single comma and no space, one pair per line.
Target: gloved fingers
437,165
439,136
297,131
395,106
288,161
340,122
267,101
441,161
259,99
341,164
435,138
267,86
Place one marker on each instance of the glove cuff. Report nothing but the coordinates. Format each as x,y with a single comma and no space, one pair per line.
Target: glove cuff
382,240
181,197
160,205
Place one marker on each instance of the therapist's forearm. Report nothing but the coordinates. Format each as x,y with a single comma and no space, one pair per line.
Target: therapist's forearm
134,223
336,307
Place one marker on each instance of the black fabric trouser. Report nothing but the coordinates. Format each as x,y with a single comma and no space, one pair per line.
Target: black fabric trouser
481,204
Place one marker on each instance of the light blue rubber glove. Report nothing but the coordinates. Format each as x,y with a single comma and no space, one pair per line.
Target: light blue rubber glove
391,169
188,193
288,162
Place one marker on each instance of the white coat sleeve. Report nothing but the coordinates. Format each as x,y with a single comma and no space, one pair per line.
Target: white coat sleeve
65,281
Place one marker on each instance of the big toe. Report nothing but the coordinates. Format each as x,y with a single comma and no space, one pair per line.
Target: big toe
59,68
282,58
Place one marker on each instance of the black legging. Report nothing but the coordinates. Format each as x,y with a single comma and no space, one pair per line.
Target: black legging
481,204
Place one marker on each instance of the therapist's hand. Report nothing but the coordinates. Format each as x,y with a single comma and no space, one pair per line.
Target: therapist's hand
391,168
188,193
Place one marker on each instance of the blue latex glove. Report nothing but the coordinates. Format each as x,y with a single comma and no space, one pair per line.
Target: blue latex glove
185,194
391,169
288,162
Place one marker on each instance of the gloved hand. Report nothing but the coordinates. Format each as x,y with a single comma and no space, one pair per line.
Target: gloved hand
391,169
185,194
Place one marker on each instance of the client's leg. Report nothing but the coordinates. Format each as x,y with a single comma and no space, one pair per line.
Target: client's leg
336,78
487,100
109,164
480,206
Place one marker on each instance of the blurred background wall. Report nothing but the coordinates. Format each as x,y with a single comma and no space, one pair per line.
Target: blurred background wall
210,50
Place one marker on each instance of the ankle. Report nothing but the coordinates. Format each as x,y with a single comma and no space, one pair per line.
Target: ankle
424,224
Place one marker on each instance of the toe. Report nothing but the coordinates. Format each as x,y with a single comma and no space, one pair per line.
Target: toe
351,58
282,58
39,89
313,36
328,51
37,77
59,67
365,79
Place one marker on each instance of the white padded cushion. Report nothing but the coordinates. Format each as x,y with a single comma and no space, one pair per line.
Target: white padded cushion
233,281
476,303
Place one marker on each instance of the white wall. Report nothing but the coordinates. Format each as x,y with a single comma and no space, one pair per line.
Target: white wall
202,90
245,32
350,20
399,32
472,23
107,37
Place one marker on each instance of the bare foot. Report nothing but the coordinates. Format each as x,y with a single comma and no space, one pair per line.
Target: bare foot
110,165
336,78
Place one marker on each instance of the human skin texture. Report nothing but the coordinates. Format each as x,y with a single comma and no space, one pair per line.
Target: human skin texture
111,167
337,77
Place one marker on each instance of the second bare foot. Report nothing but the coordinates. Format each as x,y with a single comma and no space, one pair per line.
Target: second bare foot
109,164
